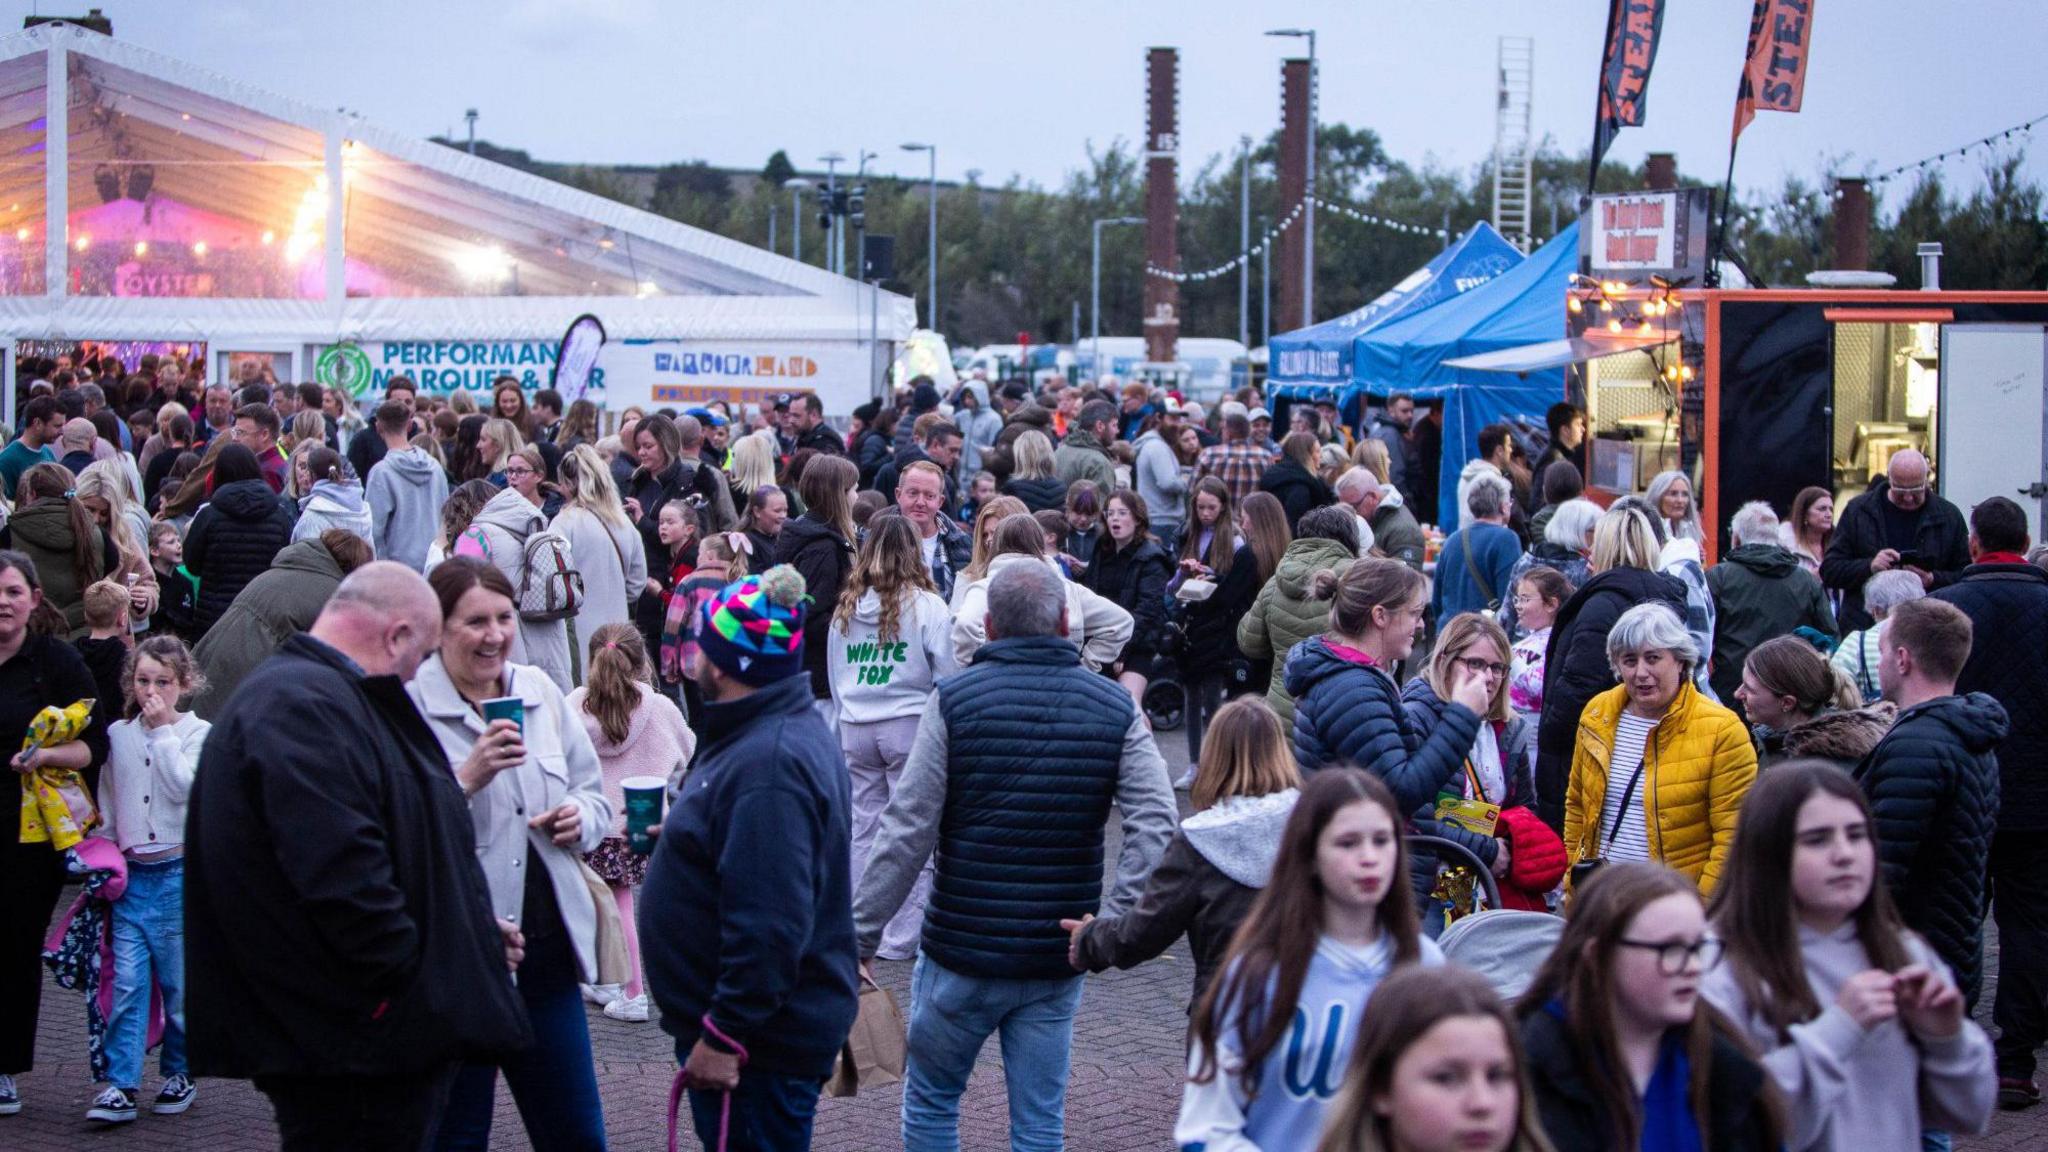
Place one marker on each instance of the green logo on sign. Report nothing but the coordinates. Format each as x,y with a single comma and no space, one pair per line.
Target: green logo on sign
343,366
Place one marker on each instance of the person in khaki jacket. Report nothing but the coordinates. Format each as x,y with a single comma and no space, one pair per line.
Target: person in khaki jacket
1660,771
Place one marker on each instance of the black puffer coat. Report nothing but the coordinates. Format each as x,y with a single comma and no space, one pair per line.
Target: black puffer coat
1349,713
1575,669
233,540
2008,609
1426,714
1933,788
1299,490
1135,578
1048,493
823,558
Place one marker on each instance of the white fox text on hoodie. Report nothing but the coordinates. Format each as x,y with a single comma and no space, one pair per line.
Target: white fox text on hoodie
875,679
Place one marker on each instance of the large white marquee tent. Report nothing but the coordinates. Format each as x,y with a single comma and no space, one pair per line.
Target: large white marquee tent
147,200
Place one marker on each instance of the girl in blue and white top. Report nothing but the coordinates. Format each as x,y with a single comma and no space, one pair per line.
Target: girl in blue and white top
1273,1034
151,761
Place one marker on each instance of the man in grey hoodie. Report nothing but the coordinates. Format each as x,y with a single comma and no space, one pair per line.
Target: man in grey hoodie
979,425
1163,484
405,490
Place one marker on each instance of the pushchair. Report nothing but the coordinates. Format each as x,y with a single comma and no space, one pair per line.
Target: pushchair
1505,945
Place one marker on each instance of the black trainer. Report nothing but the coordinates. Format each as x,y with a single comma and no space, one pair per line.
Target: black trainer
177,1095
113,1106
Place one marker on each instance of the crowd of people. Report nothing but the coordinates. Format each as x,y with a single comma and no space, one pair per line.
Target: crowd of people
369,691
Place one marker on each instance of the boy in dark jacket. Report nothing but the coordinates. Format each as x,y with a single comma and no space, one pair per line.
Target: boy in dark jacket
177,596
1933,784
747,910
105,646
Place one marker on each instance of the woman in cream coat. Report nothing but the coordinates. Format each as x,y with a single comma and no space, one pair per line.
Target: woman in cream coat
537,802
1098,626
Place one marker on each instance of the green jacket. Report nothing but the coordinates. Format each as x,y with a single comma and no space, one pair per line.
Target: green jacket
1286,613
1397,536
1760,592
282,601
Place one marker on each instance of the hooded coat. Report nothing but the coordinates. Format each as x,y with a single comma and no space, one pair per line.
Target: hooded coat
43,531
334,504
1760,592
283,601
1028,417
979,426
1285,612
1082,457
1933,788
405,492
1575,668
1047,493
2008,609
498,535
823,558
1205,884
233,540
1842,737
1351,713
874,680
1299,490
1162,483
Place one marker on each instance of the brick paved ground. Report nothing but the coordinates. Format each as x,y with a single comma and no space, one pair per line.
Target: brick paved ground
1122,1095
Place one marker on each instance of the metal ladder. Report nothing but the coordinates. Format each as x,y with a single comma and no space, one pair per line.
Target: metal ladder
1513,145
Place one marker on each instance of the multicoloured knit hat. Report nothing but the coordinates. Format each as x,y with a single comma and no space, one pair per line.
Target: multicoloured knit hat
753,629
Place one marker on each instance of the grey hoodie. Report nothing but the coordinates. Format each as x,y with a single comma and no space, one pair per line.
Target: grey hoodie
979,427
503,526
405,492
1240,835
332,504
875,681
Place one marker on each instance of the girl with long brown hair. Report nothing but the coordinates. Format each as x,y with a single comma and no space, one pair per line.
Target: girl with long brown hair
890,642
1860,1023
1130,569
56,530
1439,1064
819,545
1623,1052
636,731
1272,1035
1218,862
1212,666
990,514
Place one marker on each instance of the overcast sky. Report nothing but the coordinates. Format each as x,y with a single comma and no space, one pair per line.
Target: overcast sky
1025,88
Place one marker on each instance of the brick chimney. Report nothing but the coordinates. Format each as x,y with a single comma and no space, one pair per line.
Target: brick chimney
1294,97
1852,224
1660,171
1162,202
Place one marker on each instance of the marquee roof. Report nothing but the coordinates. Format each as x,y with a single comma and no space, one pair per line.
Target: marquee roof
196,205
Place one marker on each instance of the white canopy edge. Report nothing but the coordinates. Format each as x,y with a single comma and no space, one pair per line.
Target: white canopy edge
825,306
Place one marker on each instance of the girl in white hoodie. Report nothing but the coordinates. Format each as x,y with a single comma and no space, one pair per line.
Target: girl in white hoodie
889,644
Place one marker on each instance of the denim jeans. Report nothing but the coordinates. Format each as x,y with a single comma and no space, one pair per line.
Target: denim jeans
149,939
553,1083
768,1114
950,1016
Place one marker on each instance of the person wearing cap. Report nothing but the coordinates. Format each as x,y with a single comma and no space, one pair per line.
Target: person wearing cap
1262,430
784,421
717,438
746,914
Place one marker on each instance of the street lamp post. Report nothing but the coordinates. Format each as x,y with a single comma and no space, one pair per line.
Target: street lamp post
1308,222
1095,291
831,161
1244,244
796,186
931,305
772,207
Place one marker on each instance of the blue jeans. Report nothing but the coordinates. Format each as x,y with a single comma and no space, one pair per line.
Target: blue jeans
769,1113
149,939
553,1083
950,1016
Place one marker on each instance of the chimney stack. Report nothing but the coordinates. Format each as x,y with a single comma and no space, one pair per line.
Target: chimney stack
1660,171
1162,202
1293,186
1852,224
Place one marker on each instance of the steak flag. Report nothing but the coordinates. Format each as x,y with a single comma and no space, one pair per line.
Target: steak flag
1774,73
1632,30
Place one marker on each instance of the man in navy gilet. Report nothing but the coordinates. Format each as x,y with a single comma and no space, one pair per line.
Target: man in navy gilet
1009,783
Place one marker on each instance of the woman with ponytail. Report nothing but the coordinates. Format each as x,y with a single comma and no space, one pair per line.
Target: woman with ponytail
637,732
1801,705
57,533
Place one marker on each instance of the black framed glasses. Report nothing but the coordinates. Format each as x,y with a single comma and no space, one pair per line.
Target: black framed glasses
1674,956
1481,667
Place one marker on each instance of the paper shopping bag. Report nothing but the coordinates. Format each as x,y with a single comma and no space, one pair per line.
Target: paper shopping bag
876,1048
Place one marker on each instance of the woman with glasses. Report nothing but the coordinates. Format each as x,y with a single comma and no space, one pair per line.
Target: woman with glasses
1523,853
1623,1054
1860,1024
1660,771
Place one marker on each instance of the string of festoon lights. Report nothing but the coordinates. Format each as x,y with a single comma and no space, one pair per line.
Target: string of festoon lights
1986,142
1273,233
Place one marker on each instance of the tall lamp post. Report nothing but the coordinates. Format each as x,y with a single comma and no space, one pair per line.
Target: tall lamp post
931,306
1095,291
833,251
1308,221
1244,244
796,186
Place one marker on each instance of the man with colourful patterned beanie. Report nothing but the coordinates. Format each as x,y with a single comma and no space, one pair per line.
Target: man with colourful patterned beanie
746,922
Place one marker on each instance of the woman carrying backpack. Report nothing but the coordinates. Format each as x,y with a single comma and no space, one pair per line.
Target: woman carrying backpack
514,538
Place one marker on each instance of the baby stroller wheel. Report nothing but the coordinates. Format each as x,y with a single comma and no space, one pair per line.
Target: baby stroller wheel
1165,704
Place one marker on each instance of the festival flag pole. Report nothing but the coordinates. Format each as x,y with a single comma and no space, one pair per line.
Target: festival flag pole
1773,80
1627,55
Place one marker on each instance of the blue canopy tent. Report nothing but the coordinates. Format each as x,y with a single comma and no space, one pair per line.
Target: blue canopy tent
1524,305
1315,363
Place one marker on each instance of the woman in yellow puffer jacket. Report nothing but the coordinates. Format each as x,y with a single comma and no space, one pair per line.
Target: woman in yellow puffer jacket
1659,771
